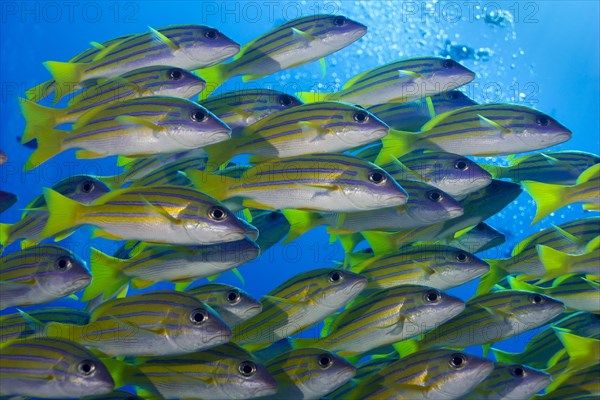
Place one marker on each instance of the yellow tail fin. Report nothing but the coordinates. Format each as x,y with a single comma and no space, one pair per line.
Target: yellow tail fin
220,153
211,184
493,276
406,347
67,76
40,91
300,223
506,356
214,77
380,242
60,330
107,276
548,197
5,234
395,144
313,97
555,262
64,213
38,119
49,144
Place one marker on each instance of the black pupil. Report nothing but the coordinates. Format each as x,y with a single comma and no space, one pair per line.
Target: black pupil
360,117
86,368
518,371
376,177
369,250
285,100
537,299
339,21
62,263
218,213
461,165
324,361
176,74
232,296
335,276
432,296
199,115
87,187
435,196
461,257
198,317
211,34
448,64
457,361
543,121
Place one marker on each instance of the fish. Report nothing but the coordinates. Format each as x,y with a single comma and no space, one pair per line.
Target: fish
7,200
575,291
489,318
116,395
412,115
550,197
582,384
300,302
543,346
161,214
150,264
168,174
385,317
51,368
148,81
399,81
437,266
161,322
135,128
478,206
440,374
308,374
364,369
478,238
556,167
297,42
222,372
569,237
16,326
184,46
242,108
82,188
233,304
320,182
558,263
272,225
514,382
40,274
480,130
323,127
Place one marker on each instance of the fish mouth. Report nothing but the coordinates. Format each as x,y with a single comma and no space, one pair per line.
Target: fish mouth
562,137
396,200
230,50
455,212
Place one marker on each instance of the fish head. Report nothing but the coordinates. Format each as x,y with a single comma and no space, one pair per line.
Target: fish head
355,126
457,175
531,310
454,98
63,272
198,326
234,305
319,372
87,375
453,267
208,46
335,31
492,198
516,381
430,205
260,103
193,126
461,373
537,130
336,287
449,74
429,309
173,81
82,188
375,188
246,377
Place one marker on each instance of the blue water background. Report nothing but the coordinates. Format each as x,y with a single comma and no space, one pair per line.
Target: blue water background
547,57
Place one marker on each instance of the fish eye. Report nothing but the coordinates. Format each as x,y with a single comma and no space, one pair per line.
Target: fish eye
86,367
542,120
233,297
461,165
377,177
448,63
537,299
87,186
360,117
198,316
432,296
247,368
435,195
286,100
462,257
175,74
457,360
325,361
63,264
335,276
339,21
211,34
217,214
517,371
199,116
